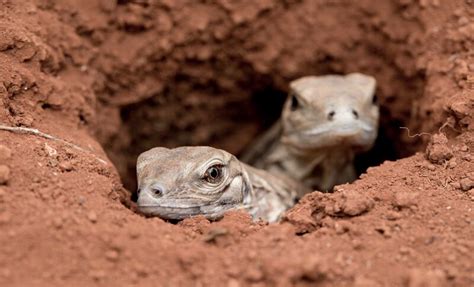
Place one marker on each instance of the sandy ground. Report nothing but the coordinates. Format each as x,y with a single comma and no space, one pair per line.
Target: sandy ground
111,79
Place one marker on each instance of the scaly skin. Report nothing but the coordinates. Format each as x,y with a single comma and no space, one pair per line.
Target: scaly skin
325,121
186,181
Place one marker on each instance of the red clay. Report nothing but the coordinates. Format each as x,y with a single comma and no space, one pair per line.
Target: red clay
118,77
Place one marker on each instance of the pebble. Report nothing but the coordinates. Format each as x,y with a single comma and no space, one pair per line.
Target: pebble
112,255
393,215
65,166
452,163
92,216
4,174
5,153
50,151
466,184
431,167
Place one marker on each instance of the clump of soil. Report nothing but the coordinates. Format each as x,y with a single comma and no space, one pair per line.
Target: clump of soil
111,79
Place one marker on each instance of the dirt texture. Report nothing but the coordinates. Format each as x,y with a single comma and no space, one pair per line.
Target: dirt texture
110,79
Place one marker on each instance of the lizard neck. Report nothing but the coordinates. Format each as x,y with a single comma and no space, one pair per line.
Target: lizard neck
269,196
319,168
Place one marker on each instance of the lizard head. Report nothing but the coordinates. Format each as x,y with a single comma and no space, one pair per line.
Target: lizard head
330,111
186,181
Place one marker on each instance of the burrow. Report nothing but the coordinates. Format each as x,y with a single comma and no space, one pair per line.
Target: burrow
225,93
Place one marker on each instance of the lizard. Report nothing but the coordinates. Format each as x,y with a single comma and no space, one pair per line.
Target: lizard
198,180
326,120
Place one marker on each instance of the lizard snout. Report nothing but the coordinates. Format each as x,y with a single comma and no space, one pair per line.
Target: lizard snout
333,114
155,190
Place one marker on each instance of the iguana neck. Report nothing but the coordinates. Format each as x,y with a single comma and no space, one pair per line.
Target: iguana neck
269,195
321,169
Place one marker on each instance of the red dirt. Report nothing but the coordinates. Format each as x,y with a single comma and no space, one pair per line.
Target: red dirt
123,76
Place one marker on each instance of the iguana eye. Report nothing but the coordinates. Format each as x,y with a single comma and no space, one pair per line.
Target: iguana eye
294,102
213,173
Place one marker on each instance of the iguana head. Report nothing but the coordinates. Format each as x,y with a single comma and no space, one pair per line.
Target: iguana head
186,181
330,111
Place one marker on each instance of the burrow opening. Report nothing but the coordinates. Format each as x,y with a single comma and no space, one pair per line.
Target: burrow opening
233,123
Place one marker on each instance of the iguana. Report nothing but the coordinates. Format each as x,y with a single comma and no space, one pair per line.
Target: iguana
185,181
325,122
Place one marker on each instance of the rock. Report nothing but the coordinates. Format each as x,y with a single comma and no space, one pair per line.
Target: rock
466,184
5,153
356,203
438,150
92,216
4,174
405,199
50,151
65,166
393,215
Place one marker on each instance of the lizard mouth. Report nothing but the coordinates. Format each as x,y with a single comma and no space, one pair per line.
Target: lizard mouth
210,211
343,129
357,134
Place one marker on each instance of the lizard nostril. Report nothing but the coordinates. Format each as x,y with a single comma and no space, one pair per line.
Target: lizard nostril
355,113
331,115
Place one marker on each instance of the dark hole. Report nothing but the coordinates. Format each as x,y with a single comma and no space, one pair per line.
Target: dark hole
294,102
268,104
46,106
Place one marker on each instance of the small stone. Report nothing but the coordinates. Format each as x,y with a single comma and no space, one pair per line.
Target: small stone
5,153
4,174
92,216
393,215
255,274
464,148
466,184
49,150
405,199
456,185
342,227
405,250
65,166
471,194
431,167
112,255
452,163
438,150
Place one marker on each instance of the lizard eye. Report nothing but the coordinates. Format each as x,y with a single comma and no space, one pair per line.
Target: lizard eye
213,173
294,103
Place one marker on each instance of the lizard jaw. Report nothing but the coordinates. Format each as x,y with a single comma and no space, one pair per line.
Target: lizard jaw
211,211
